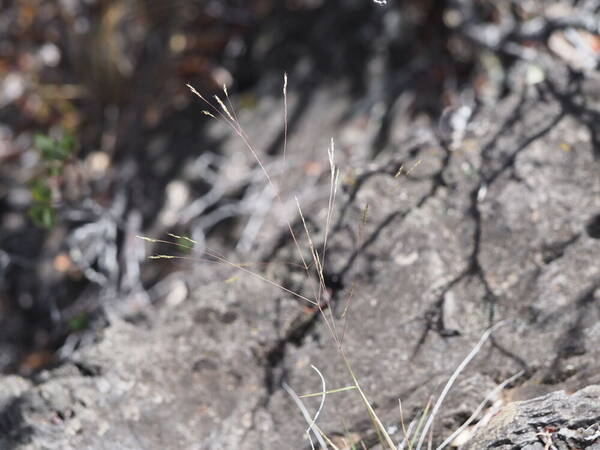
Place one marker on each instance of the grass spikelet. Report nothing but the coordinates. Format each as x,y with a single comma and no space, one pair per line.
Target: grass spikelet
183,238
285,115
224,108
196,93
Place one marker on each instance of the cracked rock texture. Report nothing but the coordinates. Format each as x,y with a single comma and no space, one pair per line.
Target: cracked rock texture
557,420
504,226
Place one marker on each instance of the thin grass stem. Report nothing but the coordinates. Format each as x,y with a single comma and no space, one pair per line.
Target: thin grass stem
452,379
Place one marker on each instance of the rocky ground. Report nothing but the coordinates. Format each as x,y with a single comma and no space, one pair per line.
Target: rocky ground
441,230
502,227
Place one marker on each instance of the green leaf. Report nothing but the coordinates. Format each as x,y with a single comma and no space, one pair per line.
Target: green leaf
52,149
42,215
40,192
43,142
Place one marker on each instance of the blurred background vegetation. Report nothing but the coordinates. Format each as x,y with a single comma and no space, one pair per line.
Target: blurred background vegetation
96,123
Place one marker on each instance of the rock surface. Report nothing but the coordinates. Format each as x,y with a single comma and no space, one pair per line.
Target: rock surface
556,420
503,227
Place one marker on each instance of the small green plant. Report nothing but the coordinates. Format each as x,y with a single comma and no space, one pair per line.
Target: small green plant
54,156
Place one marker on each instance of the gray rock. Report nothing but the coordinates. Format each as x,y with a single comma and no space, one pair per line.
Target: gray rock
495,230
557,420
192,370
504,227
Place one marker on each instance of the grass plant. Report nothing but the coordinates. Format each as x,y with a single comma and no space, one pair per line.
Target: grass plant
417,431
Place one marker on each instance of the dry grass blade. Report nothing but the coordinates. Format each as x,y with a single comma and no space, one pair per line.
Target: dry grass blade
333,185
313,427
493,393
382,433
324,389
313,251
405,431
330,391
452,379
329,321
417,425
